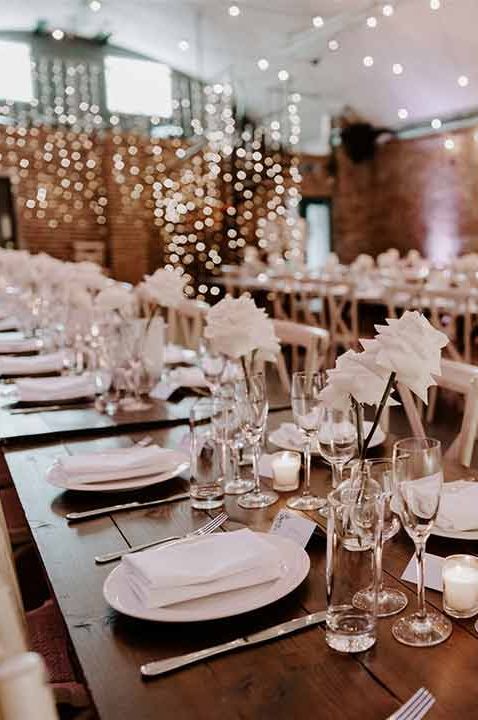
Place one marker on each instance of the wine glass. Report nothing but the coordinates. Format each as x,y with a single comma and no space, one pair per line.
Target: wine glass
337,441
389,600
212,363
306,405
252,406
418,480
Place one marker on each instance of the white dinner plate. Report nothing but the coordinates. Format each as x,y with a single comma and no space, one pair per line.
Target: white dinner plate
57,477
456,534
296,564
275,438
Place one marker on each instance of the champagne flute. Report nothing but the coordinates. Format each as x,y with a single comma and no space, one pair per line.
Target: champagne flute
418,480
253,407
306,404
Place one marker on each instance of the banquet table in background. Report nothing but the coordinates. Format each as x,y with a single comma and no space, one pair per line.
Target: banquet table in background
294,677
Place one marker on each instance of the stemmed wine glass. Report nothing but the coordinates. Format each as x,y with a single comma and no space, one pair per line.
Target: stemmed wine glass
418,480
337,441
389,600
306,406
252,405
212,363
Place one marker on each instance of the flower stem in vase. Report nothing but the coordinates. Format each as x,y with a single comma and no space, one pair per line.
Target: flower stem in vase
378,414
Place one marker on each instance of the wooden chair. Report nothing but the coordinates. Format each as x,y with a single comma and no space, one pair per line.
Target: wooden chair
342,310
92,250
42,629
186,323
312,340
24,690
462,379
446,308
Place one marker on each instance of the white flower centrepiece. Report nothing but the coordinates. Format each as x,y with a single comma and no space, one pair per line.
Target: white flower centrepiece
164,288
116,298
406,350
237,328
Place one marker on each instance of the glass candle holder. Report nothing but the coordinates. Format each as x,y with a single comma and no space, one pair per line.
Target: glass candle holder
460,586
285,469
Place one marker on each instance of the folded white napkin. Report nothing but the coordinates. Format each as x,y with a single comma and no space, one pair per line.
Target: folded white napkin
55,388
201,567
119,464
187,377
458,506
31,365
289,434
175,354
8,323
9,346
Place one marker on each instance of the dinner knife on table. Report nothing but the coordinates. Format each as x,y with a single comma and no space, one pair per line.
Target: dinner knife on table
87,514
160,667
49,408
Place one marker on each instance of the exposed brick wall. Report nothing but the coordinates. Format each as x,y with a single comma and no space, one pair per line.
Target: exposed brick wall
413,194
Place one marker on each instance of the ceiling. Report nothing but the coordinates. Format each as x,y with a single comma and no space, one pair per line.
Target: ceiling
434,46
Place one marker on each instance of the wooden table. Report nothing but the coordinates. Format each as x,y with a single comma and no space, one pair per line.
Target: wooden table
56,424
297,677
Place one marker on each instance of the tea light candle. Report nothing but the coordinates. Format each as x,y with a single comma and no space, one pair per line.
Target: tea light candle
460,586
285,469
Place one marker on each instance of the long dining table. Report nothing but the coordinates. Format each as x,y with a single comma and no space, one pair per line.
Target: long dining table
298,676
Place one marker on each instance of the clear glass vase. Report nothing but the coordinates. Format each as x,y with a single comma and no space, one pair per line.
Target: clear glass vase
355,524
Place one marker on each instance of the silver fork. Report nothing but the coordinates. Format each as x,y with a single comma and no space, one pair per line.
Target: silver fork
206,529
416,708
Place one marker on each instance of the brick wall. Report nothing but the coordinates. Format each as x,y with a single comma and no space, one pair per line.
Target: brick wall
413,194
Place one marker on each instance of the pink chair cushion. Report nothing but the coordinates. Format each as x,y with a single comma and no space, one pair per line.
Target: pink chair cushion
48,637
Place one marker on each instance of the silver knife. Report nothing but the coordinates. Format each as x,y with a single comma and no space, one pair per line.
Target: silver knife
49,408
85,515
159,667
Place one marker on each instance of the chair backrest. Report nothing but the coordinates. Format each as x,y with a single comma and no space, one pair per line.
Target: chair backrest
446,306
186,323
342,310
313,340
460,378
24,690
93,250
12,617
401,297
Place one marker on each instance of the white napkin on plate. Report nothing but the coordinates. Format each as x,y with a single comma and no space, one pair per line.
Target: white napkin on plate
8,323
31,365
458,506
175,354
288,434
119,464
55,388
201,567
187,377
21,345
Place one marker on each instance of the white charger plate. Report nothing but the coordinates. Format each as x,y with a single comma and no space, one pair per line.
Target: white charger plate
57,477
455,534
296,565
276,439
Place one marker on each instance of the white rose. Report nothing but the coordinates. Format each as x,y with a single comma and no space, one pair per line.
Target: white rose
410,347
164,287
356,375
116,298
237,327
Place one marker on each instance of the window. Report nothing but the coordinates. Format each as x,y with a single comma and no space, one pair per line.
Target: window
317,213
16,82
138,87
